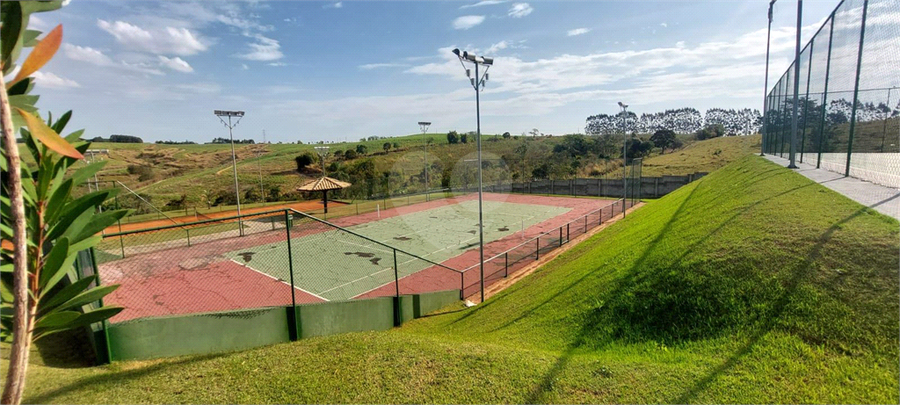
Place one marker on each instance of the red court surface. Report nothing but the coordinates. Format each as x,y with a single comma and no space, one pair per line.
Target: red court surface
199,278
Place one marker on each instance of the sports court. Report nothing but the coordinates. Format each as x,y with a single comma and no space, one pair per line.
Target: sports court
336,265
335,261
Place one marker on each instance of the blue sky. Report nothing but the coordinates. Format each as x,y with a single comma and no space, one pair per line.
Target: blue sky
310,71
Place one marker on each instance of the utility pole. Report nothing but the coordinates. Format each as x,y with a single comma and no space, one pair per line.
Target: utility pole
765,126
624,155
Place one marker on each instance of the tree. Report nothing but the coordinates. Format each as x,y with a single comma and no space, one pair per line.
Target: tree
386,146
464,138
362,149
535,132
452,137
303,161
350,154
506,135
663,138
710,131
50,227
396,145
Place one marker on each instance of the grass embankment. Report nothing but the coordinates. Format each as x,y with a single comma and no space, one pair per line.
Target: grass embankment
752,284
701,156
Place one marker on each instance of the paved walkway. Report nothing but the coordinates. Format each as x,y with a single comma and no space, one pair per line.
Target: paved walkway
883,199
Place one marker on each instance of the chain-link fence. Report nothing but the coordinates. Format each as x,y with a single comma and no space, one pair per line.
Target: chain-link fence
849,99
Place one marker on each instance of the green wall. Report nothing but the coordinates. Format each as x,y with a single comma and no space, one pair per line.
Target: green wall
198,334
424,304
235,330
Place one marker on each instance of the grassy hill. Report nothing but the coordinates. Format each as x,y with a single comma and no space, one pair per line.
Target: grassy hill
200,173
752,284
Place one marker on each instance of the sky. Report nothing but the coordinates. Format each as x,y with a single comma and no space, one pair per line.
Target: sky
334,71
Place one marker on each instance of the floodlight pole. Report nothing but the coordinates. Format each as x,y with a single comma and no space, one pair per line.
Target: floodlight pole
765,125
624,156
423,126
795,119
478,82
237,194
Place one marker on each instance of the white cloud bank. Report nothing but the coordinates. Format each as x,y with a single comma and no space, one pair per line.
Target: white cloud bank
169,40
578,31
467,21
520,10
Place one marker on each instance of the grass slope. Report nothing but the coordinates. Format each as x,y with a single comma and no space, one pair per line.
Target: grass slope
752,284
701,156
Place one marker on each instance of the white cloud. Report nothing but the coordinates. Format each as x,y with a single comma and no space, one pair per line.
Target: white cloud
499,46
372,66
98,58
244,66
467,21
52,81
520,10
664,25
483,3
276,64
170,40
87,54
176,64
334,5
578,31
265,49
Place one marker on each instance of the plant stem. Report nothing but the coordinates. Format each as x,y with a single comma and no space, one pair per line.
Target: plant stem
14,386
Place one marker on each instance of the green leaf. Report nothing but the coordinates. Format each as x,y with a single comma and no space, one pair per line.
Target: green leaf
60,124
10,34
46,304
84,173
24,101
21,87
87,297
98,223
97,315
74,210
57,201
56,264
29,38
87,243
59,320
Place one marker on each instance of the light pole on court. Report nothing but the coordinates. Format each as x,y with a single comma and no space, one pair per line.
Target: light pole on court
423,126
478,84
230,126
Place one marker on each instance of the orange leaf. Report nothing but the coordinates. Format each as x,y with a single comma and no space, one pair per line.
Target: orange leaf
48,136
41,54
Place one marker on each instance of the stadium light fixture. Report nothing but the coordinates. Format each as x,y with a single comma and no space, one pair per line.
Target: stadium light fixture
624,155
423,126
477,83
230,126
765,125
322,151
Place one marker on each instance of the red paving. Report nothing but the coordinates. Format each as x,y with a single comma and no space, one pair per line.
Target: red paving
185,280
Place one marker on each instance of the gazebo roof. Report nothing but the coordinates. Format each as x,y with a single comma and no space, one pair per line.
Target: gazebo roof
323,184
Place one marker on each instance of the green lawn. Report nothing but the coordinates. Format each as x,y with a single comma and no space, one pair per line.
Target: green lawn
752,284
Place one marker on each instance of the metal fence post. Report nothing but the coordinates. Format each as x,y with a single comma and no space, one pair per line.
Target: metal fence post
396,275
294,330
825,92
568,235
537,251
806,99
560,236
506,264
188,232
862,36
122,245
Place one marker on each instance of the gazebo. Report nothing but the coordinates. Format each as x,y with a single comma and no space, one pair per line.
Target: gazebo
323,184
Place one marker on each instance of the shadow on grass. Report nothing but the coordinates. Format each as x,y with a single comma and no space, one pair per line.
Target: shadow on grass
116,377
799,273
590,334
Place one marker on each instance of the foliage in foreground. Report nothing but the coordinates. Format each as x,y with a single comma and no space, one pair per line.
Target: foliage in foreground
752,284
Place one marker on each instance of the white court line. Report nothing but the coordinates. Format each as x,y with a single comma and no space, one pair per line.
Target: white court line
279,280
361,278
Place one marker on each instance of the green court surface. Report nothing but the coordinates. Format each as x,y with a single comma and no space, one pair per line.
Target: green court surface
336,265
